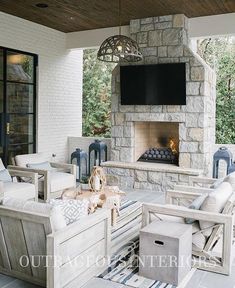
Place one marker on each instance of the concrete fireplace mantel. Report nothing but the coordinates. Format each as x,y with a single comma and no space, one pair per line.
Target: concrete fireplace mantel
150,176
154,167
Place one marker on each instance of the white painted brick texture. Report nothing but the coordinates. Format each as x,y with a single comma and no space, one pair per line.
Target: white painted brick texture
59,81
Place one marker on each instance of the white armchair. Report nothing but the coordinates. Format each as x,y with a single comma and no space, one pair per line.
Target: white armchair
212,252
51,182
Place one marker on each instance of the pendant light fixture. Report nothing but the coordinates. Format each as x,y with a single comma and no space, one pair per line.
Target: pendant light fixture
119,47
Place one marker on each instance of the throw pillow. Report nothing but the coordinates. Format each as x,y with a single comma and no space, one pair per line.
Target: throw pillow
55,213
5,176
215,203
196,205
41,166
72,209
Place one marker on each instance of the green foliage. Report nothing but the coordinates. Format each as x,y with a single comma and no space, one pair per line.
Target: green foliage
96,95
219,53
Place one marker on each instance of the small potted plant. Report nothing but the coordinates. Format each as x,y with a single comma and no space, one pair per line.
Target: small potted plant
84,183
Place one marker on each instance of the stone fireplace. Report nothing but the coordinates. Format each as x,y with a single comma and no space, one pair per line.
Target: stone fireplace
136,129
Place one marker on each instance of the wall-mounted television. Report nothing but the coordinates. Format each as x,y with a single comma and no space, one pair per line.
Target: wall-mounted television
160,84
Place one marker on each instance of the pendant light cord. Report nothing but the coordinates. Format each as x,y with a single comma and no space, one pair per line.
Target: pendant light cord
119,14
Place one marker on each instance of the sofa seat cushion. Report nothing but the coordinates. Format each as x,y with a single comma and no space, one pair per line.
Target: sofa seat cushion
59,181
24,191
215,203
55,213
72,209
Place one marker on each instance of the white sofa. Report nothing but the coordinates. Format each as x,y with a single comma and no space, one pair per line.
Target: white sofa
46,253
52,182
25,191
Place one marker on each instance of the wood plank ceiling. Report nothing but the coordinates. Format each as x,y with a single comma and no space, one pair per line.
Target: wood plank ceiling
79,15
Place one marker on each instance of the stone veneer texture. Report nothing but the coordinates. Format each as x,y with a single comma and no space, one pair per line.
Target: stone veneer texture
165,40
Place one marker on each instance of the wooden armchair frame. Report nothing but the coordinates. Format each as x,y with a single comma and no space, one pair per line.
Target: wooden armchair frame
61,253
223,228
69,168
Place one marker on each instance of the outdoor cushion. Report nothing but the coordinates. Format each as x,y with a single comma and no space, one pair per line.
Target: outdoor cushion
2,167
41,166
196,204
231,179
59,181
215,202
72,209
18,190
198,239
23,160
217,183
5,176
57,218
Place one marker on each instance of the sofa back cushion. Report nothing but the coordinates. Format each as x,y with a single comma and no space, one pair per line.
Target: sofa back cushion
41,166
57,219
5,176
230,178
23,160
215,202
2,167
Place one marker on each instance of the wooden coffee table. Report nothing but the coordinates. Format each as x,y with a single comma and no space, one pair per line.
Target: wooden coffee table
111,200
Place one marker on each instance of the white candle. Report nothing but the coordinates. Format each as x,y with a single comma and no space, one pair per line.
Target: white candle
96,182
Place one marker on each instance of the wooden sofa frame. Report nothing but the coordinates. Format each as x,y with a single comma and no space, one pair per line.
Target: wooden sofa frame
223,227
25,236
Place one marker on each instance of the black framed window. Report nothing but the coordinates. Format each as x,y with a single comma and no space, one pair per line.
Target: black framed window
18,88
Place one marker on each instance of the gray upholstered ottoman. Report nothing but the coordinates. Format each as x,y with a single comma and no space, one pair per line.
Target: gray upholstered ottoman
165,251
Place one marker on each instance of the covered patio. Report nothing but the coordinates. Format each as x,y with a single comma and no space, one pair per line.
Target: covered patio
159,157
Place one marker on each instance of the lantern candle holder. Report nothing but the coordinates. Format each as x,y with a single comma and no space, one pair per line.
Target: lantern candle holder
81,159
100,153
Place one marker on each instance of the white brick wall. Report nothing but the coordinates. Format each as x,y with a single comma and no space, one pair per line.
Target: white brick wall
60,81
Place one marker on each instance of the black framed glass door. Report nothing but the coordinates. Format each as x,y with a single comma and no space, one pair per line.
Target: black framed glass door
17,103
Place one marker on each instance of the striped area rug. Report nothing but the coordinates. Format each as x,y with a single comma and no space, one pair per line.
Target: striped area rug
124,269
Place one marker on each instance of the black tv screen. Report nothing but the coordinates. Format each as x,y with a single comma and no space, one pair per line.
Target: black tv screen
161,84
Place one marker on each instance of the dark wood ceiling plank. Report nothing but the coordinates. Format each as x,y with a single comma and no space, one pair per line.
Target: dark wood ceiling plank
79,15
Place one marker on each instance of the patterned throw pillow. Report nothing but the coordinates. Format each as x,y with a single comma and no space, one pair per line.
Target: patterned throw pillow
72,209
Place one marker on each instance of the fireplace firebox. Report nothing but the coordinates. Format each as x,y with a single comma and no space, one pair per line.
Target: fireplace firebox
157,142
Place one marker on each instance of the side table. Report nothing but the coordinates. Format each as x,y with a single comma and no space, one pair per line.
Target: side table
165,251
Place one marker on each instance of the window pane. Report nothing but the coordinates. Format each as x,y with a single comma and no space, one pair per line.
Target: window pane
1,64
21,129
20,98
19,67
14,150
1,97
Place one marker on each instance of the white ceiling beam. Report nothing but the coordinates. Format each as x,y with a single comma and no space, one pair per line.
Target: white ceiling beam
199,27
